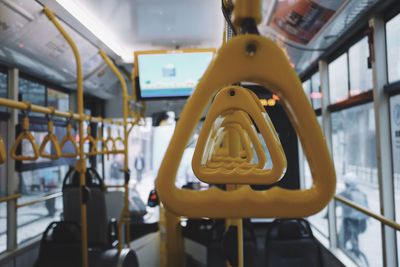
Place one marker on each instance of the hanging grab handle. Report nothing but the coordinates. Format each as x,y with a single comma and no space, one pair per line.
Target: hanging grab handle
92,142
110,142
239,99
27,136
52,139
69,138
251,58
3,152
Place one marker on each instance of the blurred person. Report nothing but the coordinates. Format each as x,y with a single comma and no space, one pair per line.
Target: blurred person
354,222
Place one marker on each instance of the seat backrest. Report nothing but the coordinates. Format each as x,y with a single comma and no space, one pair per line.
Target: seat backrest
60,246
114,203
291,243
96,206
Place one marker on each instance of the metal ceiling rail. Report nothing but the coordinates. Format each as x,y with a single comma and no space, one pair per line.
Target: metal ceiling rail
21,105
378,217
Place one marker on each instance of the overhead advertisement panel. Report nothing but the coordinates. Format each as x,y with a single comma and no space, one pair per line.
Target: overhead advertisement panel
300,20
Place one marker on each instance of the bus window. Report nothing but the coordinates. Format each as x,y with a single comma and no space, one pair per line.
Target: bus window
360,74
3,88
58,100
316,95
33,219
3,192
338,79
393,49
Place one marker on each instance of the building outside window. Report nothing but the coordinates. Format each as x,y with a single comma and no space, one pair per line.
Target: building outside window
393,49
338,79
360,74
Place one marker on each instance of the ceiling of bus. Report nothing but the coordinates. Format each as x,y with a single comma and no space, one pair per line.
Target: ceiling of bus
29,41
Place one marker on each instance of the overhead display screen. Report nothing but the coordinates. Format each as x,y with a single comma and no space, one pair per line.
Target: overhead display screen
170,74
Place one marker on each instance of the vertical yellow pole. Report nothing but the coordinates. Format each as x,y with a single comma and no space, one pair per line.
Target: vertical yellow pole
234,151
125,98
81,163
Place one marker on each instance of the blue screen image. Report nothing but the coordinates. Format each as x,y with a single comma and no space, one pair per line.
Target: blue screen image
171,74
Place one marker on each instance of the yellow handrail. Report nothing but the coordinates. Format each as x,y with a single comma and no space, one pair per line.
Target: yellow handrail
81,163
125,217
378,217
40,199
9,198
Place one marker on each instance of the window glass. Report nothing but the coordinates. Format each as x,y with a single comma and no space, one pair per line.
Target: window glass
3,88
58,100
3,169
319,220
32,92
360,74
3,227
33,219
354,154
393,48
338,79
316,95
395,134
359,236
307,88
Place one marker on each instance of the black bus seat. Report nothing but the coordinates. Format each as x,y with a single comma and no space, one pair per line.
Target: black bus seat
61,247
291,243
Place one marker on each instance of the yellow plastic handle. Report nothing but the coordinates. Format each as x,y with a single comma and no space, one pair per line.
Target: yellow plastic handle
69,138
223,160
256,59
242,119
118,142
53,140
3,153
237,98
25,135
92,144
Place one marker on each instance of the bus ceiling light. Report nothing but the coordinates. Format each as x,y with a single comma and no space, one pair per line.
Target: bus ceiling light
98,28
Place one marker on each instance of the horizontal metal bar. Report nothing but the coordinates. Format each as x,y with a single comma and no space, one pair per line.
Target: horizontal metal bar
115,186
378,217
9,198
38,200
48,110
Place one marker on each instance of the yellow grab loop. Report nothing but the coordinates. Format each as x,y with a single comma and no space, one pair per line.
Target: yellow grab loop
92,143
221,158
26,136
110,142
100,141
3,152
251,58
234,98
248,135
53,140
118,145
69,138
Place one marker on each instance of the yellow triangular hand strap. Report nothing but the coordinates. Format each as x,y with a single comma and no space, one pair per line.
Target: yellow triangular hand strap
3,153
53,140
69,138
256,59
235,98
25,135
